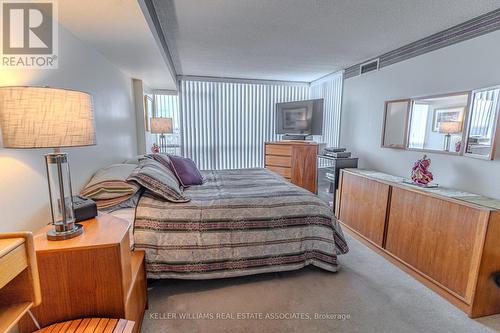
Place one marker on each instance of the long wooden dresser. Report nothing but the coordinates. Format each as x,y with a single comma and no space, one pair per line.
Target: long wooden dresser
447,239
295,160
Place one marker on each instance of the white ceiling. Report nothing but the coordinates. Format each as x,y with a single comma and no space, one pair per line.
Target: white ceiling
298,40
118,30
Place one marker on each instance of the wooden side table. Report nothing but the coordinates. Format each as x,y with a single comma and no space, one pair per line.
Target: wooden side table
93,275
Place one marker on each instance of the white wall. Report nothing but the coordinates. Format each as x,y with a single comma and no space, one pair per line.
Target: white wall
24,203
138,91
468,65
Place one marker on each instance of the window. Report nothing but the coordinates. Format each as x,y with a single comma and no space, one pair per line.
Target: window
167,106
223,125
483,117
418,127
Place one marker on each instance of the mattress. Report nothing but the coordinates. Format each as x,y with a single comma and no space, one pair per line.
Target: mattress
239,222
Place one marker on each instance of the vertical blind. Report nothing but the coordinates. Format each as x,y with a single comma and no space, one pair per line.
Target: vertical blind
331,91
167,106
418,121
483,117
225,124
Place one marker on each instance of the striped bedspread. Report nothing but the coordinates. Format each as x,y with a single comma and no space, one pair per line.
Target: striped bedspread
239,222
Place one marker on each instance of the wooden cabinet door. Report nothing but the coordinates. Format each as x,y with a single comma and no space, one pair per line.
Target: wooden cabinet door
437,237
363,206
304,166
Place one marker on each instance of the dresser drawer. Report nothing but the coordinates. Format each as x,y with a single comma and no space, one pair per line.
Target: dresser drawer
285,172
280,161
282,150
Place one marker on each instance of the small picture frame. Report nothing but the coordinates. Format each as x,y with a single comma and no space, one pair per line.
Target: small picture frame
446,115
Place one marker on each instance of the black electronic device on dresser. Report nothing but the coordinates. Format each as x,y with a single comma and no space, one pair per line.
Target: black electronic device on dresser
84,208
328,173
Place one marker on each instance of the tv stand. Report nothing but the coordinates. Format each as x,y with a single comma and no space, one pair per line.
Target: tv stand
302,137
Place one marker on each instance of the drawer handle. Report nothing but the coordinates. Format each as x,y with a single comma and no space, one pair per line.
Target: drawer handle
496,278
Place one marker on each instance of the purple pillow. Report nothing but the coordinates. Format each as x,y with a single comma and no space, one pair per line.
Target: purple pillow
186,171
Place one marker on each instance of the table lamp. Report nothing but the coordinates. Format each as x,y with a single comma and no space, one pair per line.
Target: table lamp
449,127
42,117
160,125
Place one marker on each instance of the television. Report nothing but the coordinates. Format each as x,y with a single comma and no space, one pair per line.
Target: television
299,119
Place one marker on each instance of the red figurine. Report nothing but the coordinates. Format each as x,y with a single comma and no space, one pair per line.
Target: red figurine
155,149
420,173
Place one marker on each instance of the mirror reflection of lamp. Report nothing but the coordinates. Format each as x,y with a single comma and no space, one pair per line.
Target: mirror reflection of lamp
162,126
449,127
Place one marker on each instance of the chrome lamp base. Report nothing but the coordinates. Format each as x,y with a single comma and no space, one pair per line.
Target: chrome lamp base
55,235
61,199
163,143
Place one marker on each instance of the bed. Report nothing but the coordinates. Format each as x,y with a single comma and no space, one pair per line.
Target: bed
239,222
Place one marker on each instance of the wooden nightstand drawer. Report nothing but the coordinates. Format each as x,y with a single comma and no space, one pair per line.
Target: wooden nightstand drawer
281,150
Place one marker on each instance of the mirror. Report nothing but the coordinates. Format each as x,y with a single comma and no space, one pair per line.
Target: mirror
395,123
437,123
483,123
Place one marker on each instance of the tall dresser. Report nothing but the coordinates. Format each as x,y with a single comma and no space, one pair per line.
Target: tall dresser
295,160
446,239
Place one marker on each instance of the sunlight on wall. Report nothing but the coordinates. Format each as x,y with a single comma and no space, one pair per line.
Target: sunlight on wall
17,174
17,77
14,170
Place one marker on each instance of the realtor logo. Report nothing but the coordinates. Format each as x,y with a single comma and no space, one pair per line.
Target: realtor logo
29,34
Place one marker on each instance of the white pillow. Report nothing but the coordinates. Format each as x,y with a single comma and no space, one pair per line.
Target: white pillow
134,160
111,182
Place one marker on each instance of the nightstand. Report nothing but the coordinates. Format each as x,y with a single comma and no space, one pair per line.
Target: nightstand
93,275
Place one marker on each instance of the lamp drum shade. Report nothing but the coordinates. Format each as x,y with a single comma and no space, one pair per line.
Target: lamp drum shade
42,117
161,125
450,127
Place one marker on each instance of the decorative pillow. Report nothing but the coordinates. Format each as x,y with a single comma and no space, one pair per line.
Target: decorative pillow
163,159
111,183
186,171
111,205
158,179
134,160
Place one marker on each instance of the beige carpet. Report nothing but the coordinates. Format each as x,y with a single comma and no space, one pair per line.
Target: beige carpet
368,295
